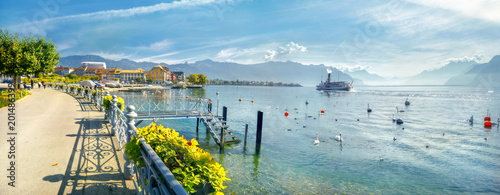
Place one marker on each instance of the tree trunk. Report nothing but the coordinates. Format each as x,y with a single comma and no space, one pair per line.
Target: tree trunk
15,80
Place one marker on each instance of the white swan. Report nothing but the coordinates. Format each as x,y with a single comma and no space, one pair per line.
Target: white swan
316,142
339,138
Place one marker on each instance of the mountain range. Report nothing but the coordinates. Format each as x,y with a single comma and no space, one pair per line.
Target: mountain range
453,73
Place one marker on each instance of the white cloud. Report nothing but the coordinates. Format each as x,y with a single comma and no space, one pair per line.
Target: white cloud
475,57
66,44
165,44
482,9
352,68
283,50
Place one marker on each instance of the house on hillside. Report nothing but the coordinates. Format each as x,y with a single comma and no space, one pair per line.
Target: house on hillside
131,75
160,74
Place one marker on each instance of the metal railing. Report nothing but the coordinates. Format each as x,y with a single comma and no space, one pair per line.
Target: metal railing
154,177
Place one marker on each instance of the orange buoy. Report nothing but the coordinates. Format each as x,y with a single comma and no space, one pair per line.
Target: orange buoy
286,114
240,100
487,124
161,95
252,101
145,95
187,96
322,111
487,118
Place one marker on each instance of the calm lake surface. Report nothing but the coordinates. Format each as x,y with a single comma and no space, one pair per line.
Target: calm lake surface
460,161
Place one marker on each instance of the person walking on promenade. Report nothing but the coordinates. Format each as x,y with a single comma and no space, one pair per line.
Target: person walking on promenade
39,84
32,84
43,82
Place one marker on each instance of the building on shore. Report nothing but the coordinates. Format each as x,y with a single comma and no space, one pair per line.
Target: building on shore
63,70
179,76
130,76
160,74
108,74
99,65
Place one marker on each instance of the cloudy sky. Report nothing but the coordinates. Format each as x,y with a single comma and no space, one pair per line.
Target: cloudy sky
390,38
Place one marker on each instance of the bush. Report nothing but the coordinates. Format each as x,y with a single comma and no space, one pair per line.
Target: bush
4,95
191,166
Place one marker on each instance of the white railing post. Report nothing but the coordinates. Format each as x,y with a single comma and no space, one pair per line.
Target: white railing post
113,114
128,166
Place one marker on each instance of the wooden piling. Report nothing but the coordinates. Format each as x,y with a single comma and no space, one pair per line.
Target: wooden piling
222,132
246,133
197,124
260,116
224,113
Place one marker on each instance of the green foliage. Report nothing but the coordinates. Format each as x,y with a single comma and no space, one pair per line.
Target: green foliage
191,166
106,102
4,96
138,79
29,55
198,79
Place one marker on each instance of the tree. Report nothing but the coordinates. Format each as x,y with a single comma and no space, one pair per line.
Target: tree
138,79
29,55
192,78
198,79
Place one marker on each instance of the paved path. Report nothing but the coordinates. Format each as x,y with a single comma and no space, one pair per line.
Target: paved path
63,146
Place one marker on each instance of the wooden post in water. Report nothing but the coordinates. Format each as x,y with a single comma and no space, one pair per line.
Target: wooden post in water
260,116
197,124
222,132
210,107
224,113
246,133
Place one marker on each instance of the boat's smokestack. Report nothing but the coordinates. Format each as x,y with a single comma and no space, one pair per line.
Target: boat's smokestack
328,77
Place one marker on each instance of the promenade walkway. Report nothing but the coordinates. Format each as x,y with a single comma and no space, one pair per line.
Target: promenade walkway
62,146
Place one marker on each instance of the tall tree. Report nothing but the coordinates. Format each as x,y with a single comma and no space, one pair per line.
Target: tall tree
30,55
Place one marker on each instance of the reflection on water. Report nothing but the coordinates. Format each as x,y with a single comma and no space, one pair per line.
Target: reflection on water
458,160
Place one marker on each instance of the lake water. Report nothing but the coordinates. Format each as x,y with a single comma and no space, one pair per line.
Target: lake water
458,158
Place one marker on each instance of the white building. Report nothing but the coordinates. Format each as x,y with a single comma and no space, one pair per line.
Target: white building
94,64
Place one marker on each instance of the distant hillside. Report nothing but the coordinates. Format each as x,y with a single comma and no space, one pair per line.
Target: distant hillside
441,75
368,78
485,75
286,72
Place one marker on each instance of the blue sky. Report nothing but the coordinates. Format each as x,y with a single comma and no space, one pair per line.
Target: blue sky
390,38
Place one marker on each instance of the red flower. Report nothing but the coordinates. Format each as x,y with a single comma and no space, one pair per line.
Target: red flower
189,143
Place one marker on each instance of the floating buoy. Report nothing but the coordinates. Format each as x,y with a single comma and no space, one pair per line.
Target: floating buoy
286,114
487,118
145,95
240,100
487,124
322,111
399,121
162,96
252,101
187,97
369,109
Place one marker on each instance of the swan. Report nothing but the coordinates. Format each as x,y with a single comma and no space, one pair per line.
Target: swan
339,138
407,103
369,109
316,142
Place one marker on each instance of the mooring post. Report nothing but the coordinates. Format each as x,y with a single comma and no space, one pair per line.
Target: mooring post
197,124
224,113
246,133
210,107
222,132
260,116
